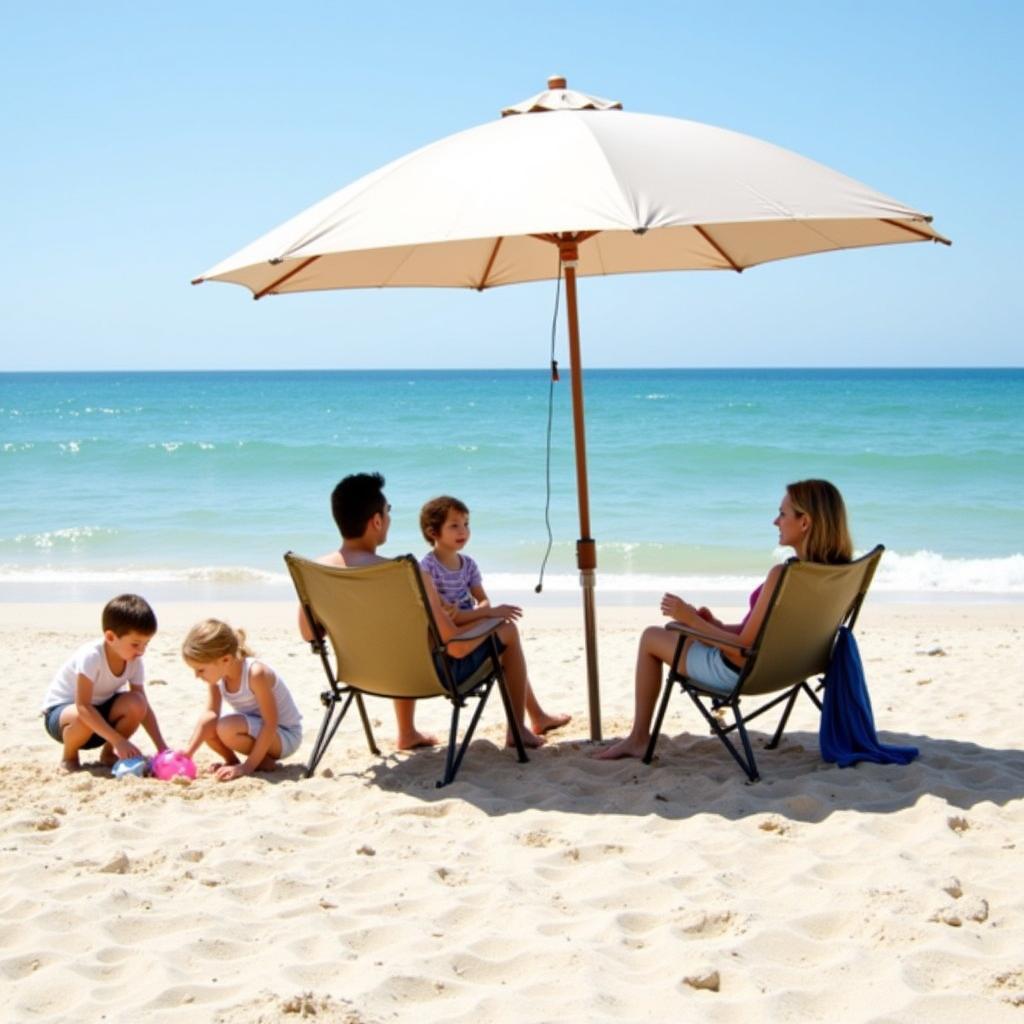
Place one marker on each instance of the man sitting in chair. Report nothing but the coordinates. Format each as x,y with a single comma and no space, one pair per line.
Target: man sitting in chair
363,516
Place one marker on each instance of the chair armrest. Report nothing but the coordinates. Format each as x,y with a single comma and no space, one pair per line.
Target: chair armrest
475,630
713,640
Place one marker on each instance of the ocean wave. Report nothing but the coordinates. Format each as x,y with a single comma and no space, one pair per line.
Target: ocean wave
920,574
70,537
930,572
220,574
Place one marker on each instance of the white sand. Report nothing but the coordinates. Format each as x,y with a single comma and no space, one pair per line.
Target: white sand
561,890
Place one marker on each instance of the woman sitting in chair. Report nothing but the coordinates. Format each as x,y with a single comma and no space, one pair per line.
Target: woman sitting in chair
811,521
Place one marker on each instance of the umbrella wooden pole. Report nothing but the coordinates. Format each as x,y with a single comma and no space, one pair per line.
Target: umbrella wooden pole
586,548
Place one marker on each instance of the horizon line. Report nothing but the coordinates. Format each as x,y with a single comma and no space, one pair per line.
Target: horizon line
514,369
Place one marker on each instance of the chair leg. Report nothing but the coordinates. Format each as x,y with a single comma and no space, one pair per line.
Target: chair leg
794,694
659,718
332,719
790,701
366,724
453,763
749,767
453,735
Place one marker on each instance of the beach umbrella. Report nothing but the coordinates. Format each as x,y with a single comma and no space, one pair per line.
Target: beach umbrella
569,184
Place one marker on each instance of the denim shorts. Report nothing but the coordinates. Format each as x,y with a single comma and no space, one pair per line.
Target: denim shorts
289,735
705,665
51,721
462,669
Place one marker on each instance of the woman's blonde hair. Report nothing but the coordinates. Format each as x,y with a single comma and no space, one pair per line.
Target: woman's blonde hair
829,538
212,639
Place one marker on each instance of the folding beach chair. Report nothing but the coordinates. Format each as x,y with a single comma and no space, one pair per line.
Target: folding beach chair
794,644
386,644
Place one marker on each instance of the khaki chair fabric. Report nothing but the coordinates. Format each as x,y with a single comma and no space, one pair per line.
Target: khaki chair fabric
377,622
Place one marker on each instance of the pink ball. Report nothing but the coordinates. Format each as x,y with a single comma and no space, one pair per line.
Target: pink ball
169,763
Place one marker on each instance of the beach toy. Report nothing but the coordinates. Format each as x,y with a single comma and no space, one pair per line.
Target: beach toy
170,763
137,766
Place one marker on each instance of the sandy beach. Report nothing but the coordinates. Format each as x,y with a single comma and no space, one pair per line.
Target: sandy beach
560,890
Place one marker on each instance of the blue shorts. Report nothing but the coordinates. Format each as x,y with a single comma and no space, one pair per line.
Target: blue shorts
705,665
462,669
51,720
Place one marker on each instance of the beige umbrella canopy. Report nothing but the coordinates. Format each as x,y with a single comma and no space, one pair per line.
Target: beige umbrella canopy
586,189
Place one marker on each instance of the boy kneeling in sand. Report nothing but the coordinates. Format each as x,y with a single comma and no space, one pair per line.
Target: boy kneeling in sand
97,698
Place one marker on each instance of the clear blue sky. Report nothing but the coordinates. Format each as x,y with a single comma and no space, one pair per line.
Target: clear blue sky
144,142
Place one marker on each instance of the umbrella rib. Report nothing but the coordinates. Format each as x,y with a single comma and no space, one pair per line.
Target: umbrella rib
916,231
490,263
714,245
281,280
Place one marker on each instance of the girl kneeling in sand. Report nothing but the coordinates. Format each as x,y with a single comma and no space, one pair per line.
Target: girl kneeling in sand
811,521
266,725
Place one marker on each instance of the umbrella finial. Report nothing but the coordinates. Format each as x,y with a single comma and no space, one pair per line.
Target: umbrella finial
558,96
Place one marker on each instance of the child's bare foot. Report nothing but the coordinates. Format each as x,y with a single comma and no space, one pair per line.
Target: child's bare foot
546,723
624,748
70,764
107,756
530,739
268,764
415,739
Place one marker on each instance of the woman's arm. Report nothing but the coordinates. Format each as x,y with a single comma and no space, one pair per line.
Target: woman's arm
685,613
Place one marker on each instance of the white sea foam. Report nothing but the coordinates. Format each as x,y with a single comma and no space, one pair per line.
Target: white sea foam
221,574
67,537
929,572
921,575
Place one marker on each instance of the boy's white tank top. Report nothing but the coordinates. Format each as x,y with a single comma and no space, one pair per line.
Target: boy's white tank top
244,700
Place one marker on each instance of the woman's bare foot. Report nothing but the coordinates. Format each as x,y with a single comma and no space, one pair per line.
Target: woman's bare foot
546,723
628,747
107,756
70,764
416,739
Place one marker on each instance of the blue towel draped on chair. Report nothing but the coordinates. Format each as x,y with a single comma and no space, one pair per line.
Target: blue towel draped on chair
847,734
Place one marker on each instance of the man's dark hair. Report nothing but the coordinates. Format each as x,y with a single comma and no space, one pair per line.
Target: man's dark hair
355,501
129,613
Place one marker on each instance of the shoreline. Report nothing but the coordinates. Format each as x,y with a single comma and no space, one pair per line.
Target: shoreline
166,592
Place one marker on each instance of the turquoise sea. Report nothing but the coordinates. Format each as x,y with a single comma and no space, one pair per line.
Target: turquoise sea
194,484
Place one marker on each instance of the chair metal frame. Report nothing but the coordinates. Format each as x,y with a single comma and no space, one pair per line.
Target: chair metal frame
342,692
711,704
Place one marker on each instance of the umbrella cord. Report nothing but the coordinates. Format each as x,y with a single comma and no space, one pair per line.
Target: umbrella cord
551,409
